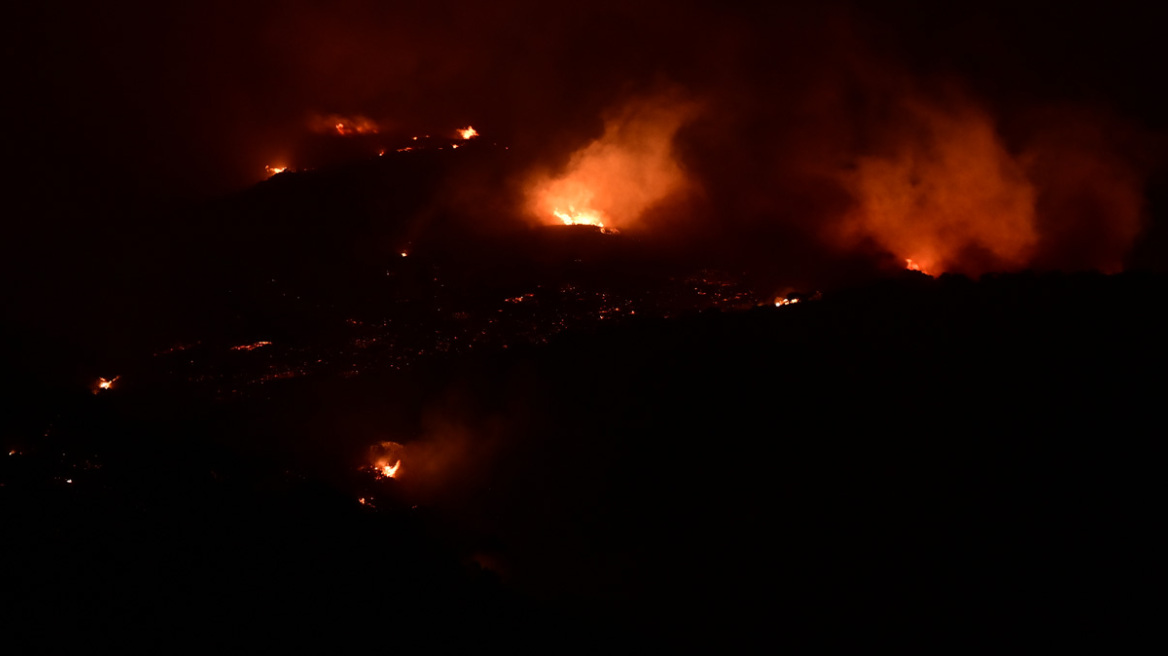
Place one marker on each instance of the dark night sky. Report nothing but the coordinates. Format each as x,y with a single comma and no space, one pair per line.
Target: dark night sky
195,99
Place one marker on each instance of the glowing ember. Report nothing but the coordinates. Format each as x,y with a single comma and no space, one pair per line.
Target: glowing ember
104,384
275,170
779,302
468,132
250,347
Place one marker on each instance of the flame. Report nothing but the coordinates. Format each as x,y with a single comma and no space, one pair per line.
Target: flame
615,179
104,384
779,302
382,455
275,170
578,217
913,266
468,133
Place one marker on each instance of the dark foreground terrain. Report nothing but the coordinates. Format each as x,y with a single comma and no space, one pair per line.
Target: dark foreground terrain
917,461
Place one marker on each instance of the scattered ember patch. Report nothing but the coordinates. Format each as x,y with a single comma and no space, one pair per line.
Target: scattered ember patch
250,347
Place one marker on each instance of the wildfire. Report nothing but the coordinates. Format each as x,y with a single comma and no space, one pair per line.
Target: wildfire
275,170
581,217
468,133
913,266
387,471
382,455
104,384
779,302
616,178
250,347
344,126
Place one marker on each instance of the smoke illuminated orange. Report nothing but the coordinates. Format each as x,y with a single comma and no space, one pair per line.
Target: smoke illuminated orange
947,192
343,126
615,179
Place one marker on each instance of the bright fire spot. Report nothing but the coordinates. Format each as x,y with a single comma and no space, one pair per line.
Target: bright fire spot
612,181
104,384
579,217
405,254
250,347
275,170
388,471
913,266
387,459
468,132
779,302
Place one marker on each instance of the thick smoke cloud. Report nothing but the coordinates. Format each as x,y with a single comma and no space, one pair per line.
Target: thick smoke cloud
613,180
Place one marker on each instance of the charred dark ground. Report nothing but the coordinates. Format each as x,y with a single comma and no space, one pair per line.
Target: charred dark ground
606,437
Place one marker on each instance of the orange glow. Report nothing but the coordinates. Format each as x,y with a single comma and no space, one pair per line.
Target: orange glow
468,132
104,384
344,126
390,472
382,455
576,217
946,190
250,347
275,170
615,179
779,302
913,266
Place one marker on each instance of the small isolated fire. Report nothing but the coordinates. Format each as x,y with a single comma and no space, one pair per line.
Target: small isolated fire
468,133
104,384
387,459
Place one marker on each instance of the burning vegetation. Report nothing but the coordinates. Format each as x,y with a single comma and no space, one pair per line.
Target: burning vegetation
386,459
613,180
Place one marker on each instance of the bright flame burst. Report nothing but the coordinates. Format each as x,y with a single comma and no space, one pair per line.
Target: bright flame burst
612,181
386,471
275,170
387,459
104,384
580,217
468,133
